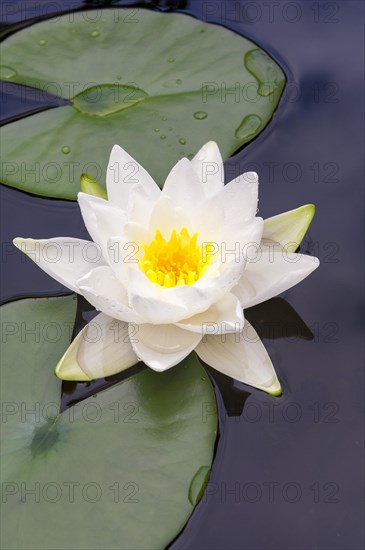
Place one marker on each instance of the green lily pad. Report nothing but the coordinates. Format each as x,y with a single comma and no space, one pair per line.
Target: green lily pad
158,84
113,471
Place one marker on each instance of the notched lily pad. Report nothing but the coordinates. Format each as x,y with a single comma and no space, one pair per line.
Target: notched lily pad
158,84
114,471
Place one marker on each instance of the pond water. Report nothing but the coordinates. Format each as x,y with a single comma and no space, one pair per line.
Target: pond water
288,471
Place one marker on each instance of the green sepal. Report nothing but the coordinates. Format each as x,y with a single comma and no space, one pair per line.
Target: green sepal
289,228
92,187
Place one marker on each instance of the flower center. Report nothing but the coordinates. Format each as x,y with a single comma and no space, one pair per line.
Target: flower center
178,261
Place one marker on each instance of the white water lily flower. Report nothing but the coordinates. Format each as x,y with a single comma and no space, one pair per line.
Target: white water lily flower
171,271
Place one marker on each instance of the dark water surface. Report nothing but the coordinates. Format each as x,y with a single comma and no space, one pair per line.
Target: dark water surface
288,471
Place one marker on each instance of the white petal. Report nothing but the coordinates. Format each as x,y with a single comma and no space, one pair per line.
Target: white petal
101,349
107,294
140,205
123,254
63,258
155,304
207,220
183,186
230,257
241,356
122,173
159,305
239,197
208,165
101,218
224,316
162,346
289,228
166,216
241,239
271,275
125,251
137,233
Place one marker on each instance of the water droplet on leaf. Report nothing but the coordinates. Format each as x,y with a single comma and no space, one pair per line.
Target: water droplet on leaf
157,129
182,141
198,484
162,136
200,115
172,83
66,150
106,99
95,34
248,127
7,72
171,59
265,70
42,42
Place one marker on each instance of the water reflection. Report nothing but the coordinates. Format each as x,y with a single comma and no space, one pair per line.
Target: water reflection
273,319
276,318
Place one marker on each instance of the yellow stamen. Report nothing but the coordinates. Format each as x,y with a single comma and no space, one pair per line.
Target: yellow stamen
178,261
